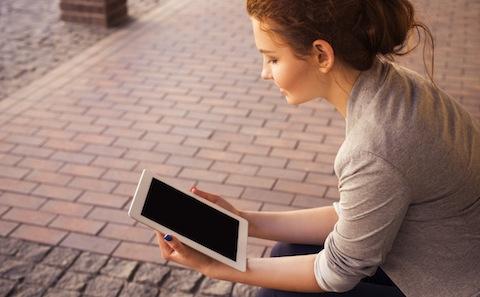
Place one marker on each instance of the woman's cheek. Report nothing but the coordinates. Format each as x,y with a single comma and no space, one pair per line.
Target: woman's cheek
279,77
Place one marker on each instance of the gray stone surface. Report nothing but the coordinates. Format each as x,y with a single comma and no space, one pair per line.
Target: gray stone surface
19,276
103,286
32,252
67,272
43,275
134,289
61,293
152,274
61,257
182,280
74,281
119,268
15,269
213,287
6,286
241,290
9,246
28,290
89,262
167,293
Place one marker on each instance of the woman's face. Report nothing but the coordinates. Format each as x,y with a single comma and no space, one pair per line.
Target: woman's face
298,80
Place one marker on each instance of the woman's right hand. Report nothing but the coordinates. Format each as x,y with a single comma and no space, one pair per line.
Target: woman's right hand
217,200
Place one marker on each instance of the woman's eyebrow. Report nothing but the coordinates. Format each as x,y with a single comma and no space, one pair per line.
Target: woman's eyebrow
266,51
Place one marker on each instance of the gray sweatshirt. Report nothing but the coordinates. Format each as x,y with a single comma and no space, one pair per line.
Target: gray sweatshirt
409,182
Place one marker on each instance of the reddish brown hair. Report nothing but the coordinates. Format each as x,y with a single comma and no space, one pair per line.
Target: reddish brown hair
357,30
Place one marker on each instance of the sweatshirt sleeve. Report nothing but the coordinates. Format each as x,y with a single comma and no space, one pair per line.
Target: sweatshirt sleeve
374,198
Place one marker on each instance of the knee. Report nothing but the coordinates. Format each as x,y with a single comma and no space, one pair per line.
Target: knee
289,249
281,249
265,293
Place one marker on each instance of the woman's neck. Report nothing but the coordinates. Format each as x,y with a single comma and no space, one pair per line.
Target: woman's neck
342,82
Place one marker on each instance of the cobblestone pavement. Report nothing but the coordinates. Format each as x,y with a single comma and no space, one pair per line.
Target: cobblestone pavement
34,40
178,91
31,269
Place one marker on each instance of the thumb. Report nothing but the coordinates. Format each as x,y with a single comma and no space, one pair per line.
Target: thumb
174,243
210,197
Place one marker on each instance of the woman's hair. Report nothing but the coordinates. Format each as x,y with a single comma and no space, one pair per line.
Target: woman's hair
357,30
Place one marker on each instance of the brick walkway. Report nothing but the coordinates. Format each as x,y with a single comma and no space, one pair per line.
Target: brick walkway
35,40
179,92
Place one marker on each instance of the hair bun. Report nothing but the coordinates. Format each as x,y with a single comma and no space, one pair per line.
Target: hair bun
386,25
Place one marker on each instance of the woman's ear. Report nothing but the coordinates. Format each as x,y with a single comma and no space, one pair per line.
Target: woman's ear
324,55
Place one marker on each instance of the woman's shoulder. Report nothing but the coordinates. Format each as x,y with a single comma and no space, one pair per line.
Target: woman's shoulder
411,124
394,104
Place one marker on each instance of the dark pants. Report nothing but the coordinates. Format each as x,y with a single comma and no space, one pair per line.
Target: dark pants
377,285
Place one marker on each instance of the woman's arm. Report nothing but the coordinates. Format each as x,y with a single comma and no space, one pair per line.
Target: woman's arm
316,224
295,273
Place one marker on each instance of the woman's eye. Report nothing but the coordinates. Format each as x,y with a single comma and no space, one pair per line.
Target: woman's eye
273,61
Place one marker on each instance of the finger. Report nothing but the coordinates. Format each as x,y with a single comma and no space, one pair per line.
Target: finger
165,249
211,197
160,240
174,243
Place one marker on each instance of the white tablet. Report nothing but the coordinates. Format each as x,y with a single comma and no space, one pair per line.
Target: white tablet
196,222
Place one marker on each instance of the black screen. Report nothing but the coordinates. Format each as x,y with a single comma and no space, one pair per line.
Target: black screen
191,218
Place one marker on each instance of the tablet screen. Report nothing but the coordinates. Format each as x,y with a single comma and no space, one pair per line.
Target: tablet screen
189,217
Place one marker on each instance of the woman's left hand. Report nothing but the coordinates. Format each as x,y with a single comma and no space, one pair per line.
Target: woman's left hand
173,250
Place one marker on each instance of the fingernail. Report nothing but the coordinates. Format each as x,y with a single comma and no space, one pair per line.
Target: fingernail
193,189
168,237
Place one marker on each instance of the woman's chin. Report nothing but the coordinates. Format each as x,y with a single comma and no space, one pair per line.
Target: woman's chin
295,101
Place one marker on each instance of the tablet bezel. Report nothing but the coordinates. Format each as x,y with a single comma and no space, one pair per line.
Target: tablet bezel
136,208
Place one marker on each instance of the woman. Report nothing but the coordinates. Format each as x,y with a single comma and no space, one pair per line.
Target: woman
408,218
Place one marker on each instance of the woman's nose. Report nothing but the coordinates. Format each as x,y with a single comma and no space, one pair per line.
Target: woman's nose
266,74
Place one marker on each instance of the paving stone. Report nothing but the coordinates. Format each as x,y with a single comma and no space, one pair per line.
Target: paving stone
89,262
74,281
212,287
119,268
167,293
15,269
9,246
153,274
28,290
103,286
61,257
61,293
6,286
182,280
43,275
242,290
32,252
134,289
